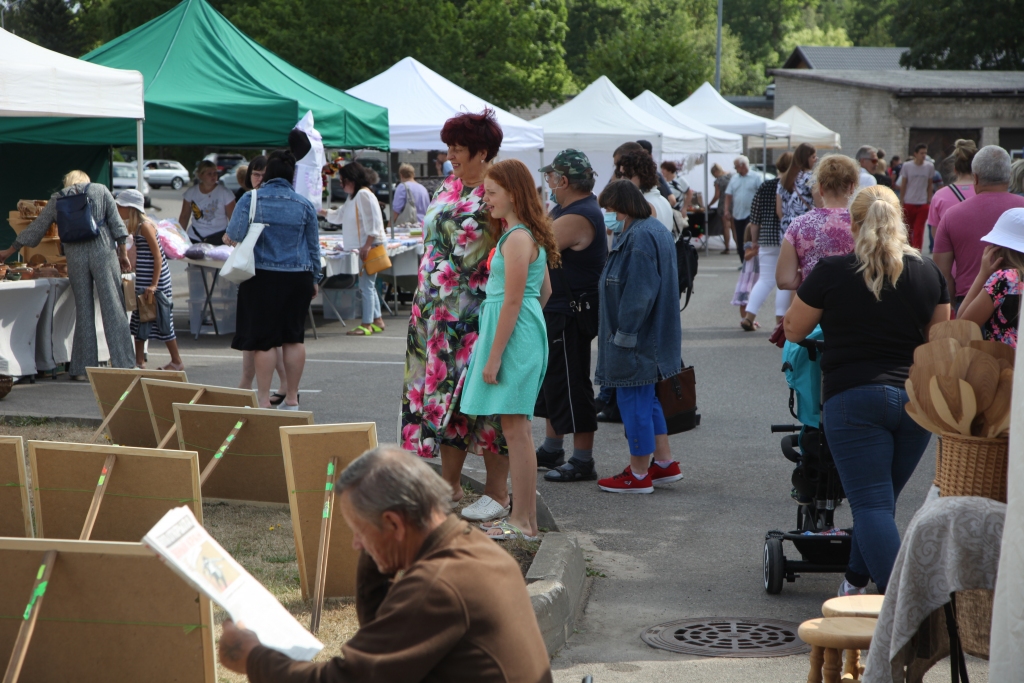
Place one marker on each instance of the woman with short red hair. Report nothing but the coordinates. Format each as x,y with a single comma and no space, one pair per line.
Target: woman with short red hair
445,320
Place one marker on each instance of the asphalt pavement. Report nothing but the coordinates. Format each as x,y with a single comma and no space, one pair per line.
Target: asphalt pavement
693,549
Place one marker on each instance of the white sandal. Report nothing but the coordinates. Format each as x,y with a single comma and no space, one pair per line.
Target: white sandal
484,509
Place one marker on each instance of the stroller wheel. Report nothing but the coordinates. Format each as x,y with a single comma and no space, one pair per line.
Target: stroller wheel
774,566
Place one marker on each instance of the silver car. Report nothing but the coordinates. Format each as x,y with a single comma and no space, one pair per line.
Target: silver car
163,172
124,178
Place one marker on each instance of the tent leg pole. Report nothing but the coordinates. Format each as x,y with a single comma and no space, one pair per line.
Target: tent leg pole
764,155
707,219
138,154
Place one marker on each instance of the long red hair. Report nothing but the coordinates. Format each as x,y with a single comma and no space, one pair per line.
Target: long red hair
515,178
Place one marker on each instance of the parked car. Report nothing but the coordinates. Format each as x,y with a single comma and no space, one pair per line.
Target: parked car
230,180
125,175
225,162
162,172
380,188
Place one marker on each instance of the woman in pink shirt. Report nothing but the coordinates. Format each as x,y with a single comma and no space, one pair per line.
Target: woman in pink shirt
951,195
821,231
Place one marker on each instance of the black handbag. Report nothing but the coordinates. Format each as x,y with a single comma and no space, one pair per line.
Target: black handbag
75,222
678,398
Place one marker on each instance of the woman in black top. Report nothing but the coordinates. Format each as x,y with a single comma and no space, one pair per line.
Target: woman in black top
875,307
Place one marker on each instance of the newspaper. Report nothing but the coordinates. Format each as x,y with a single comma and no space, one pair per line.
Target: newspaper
185,546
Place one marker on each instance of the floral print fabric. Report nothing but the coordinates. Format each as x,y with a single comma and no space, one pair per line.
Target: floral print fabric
1002,326
444,325
820,233
798,202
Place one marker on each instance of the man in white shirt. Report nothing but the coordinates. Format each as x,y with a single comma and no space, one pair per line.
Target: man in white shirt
739,195
867,157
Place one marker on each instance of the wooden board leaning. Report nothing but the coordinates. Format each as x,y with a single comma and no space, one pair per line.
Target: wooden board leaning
161,395
103,612
249,466
307,452
15,510
115,493
119,395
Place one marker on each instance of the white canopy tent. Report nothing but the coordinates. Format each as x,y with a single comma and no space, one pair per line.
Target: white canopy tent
419,101
601,118
717,140
803,128
36,82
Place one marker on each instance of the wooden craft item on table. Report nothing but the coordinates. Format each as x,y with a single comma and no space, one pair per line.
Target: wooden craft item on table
15,509
964,331
936,357
249,466
161,395
109,493
308,454
983,376
98,612
997,350
997,415
125,414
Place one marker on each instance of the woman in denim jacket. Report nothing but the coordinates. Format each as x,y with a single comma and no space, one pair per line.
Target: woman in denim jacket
272,305
639,336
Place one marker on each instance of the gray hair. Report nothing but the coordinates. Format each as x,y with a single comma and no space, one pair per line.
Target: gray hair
1017,177
992,165
742,159
388,479
865,152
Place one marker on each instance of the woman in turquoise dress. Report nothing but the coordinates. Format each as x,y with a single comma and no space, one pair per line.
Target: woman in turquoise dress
511,354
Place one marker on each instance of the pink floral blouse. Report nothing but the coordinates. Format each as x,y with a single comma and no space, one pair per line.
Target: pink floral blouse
820,233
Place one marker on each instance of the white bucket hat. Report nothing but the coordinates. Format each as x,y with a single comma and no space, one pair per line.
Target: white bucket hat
1008,231
133,199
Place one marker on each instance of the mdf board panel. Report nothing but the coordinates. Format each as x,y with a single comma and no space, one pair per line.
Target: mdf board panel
111,612
252,468
15,514
162,394
142,486
307,452
131,425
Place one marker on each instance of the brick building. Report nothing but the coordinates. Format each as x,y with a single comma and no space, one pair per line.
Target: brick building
896,110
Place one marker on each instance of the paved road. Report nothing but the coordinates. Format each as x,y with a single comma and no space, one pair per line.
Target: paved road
692,550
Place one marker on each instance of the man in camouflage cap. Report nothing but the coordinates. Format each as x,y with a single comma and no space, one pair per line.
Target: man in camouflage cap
566,399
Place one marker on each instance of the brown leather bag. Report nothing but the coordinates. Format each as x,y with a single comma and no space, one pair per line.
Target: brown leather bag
678,398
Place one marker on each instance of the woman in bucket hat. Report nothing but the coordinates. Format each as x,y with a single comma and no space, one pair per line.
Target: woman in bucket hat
994,298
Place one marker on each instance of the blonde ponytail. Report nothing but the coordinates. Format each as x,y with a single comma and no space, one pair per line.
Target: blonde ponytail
880,237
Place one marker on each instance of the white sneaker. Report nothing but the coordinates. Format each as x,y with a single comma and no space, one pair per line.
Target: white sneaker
846,588
484,509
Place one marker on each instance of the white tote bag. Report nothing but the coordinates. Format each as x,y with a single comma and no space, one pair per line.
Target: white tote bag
241,265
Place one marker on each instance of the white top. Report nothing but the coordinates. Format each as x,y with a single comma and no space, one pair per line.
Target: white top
309,180
371,222
662,209
208,210
866,179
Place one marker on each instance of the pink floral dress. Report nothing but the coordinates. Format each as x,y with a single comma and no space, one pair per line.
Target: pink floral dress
1004,287
444,325
820,233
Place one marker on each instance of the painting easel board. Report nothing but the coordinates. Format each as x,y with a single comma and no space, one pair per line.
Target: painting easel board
15,514
307,451
252,466
162,394
143,484
119,395
110,612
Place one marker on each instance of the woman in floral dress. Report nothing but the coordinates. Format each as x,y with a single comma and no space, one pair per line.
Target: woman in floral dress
445,321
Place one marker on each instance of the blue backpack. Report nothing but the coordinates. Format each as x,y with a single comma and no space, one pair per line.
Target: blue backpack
75,222
803,375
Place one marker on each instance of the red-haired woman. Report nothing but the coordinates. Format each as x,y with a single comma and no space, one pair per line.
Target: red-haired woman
444,324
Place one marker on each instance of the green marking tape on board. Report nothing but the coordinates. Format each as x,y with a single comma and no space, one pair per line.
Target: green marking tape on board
39,574
327,509
100,482
125,395
38,593
330,469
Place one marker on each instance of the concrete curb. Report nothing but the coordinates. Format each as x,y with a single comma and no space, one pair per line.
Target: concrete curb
555,582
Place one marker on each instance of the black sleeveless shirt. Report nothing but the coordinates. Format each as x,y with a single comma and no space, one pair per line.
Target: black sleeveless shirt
581,269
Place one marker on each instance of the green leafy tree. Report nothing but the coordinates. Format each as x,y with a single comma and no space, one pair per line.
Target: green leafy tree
832,37
49,23
762,25
590,22
954,34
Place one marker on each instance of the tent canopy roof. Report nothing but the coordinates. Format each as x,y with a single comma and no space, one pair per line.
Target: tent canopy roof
207,83
602,118
35,81
436,99
710,108
803,128
718,140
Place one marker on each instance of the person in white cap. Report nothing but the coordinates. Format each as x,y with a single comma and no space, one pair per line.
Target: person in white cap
994,298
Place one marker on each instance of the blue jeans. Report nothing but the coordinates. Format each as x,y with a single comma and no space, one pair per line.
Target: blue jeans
876,447
641,416
371,301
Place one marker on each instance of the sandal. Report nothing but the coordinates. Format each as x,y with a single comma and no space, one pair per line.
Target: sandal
747,324
276,399
510,531
377,329
170,366
361,331
573,470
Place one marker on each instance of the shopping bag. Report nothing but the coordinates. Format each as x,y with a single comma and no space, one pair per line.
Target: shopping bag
128,287
241,265
147,307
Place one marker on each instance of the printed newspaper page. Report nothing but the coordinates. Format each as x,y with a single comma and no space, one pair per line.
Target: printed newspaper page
185,546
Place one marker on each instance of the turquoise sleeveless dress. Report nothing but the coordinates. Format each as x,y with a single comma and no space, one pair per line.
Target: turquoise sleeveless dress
525,359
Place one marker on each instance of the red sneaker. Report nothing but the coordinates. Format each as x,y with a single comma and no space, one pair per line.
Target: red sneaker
627,482
664,475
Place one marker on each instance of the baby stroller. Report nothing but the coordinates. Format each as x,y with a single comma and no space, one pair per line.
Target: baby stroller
816,486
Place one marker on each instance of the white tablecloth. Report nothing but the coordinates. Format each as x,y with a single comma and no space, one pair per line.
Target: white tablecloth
404,261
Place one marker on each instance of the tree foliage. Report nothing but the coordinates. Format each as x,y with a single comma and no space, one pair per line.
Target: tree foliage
954,34
53,24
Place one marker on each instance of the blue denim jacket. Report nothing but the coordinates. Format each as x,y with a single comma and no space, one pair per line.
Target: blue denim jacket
639,338
291,238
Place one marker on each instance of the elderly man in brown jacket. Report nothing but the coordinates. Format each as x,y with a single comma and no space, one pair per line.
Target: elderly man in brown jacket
437,600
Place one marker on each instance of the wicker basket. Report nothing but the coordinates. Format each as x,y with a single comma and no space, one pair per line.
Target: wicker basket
6,384
974,621
972,466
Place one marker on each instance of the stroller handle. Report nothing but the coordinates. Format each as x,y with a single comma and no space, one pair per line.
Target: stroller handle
786,428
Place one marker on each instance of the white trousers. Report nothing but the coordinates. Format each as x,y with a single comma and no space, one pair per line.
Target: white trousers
767,258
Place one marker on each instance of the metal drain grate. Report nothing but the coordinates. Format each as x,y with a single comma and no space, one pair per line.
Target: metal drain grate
727,637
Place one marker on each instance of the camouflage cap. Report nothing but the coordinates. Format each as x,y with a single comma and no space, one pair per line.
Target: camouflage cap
571,163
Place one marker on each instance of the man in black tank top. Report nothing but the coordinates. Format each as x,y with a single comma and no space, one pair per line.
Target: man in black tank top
567,396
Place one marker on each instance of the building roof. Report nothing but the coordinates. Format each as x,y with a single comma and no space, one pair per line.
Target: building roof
863,58
924,83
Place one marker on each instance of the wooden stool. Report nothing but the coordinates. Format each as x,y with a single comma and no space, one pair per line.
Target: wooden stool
830,635
853,606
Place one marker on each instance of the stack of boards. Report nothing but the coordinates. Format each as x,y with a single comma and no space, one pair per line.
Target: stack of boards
77,580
